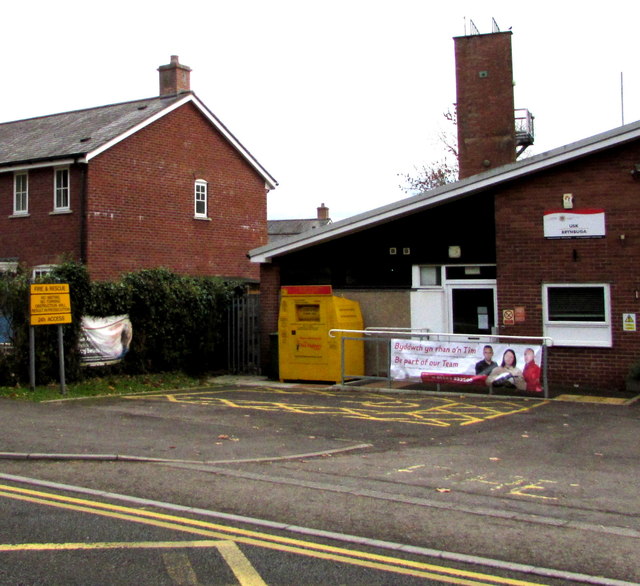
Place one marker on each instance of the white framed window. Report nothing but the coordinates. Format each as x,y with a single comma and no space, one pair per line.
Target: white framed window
200,198
426,276
41,271
61,190
20,194
8,266
577,314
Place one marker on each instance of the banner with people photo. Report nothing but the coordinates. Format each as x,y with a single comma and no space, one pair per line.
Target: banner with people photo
515,366
104,340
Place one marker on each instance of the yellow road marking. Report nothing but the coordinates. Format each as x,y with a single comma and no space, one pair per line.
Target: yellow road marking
258,539
178,565
240,565
202,543
180,569
411,468
589,399
520,486
432,411
534,486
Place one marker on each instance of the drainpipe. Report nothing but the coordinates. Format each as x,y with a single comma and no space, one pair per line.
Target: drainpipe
83,212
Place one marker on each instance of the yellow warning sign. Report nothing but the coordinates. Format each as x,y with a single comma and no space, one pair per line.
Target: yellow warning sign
50,288
629,322
50,304
49,320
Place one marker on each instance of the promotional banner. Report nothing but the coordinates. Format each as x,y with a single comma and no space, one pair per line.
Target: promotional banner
517,366
104,340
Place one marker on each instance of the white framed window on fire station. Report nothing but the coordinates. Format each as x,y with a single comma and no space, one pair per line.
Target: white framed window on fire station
200,198
426,276
577,314
20,194
61,190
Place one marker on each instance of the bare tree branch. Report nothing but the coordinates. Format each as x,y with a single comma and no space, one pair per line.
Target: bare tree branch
432,175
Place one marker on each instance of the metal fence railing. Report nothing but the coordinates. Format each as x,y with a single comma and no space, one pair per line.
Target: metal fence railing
243,335
377,342
378,351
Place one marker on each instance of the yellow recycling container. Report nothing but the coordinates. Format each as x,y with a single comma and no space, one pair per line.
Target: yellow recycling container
306,352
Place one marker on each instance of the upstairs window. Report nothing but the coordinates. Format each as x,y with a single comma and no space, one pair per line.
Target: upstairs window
20,194
61,201
200,194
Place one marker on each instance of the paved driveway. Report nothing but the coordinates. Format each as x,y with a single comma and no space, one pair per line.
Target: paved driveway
417,409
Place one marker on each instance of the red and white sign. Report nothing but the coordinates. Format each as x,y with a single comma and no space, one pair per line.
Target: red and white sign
508,317
475,363
587,223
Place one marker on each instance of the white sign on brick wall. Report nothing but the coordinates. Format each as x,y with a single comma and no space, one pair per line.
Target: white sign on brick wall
587,223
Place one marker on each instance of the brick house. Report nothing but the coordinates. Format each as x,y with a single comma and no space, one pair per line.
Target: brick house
552,239
153,182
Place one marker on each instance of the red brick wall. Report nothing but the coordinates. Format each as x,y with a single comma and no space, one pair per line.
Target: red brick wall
526,260
269,309
484,102
141,204
42,237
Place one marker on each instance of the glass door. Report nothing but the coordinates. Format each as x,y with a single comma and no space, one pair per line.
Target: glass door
473,310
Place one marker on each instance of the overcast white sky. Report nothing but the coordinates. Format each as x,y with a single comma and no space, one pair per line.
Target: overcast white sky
334,98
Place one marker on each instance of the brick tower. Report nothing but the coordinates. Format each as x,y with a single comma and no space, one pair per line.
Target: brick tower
485,103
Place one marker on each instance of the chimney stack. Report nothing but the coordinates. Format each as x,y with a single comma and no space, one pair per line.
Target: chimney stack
323,212
485,105
174,78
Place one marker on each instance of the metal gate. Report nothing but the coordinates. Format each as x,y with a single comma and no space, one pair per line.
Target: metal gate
243,335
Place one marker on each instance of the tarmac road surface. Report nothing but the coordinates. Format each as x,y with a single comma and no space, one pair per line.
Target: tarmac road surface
544,483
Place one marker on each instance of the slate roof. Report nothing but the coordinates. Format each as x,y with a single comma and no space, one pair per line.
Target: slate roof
280,229
72,134
86,133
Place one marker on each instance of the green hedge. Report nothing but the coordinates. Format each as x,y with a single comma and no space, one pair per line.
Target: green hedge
178,322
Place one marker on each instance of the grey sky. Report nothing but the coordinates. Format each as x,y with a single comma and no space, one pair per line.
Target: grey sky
334,98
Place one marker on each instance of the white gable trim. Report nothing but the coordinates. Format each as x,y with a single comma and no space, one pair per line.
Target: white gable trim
107,145
269,180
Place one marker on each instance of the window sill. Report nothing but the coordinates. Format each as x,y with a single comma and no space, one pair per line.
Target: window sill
26,215
580,335
202,218
60,212
581,344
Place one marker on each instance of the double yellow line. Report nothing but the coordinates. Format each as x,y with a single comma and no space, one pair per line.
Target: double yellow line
225,534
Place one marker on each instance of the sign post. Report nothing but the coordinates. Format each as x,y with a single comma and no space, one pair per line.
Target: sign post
50,304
